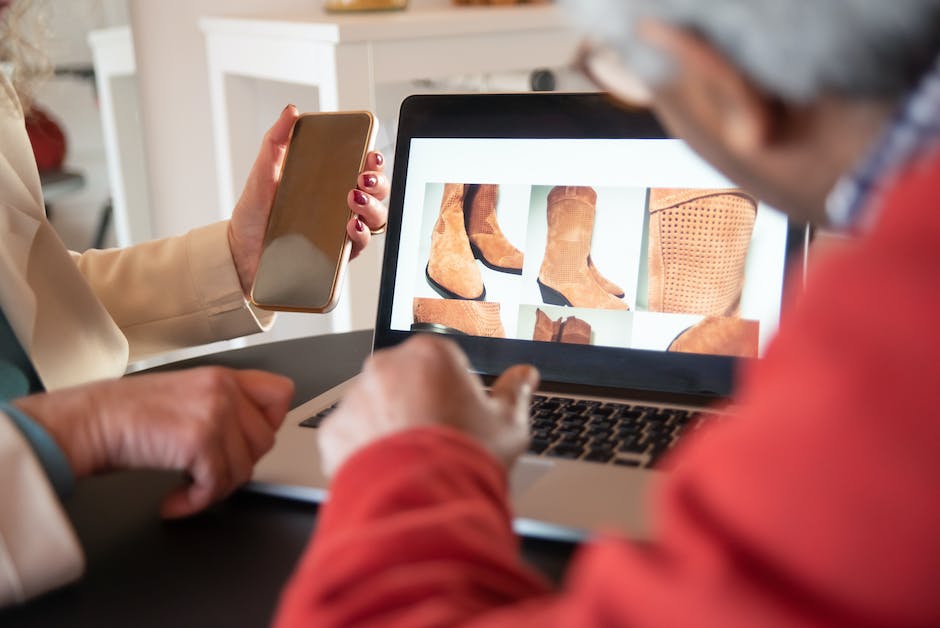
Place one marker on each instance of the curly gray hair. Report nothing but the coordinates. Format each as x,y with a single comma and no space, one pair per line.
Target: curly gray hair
794,49
22,35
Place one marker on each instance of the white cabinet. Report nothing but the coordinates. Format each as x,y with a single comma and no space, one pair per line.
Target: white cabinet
339,62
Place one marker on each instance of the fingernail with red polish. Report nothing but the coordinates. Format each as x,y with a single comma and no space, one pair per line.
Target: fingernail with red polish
370,180
360,198
379,159
359,226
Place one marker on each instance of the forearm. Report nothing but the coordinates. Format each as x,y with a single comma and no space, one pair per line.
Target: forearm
417,531
173,293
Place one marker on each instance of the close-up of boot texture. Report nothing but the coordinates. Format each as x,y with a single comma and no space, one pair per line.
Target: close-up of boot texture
571,330
487,241
717,335
698,243
474,318
568,276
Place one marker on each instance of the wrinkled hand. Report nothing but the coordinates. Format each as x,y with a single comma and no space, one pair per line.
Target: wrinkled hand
250,216
213,423
422,382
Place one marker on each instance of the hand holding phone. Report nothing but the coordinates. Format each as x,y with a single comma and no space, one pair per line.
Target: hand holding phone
306,248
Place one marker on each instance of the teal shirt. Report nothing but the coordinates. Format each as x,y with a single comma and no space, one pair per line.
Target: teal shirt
18,378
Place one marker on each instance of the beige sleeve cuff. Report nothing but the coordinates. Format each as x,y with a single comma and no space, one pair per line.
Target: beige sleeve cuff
217,284
38,547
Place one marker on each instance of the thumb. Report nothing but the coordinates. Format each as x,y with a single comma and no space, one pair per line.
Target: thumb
271,394
184,501
514,389
278,134
268,164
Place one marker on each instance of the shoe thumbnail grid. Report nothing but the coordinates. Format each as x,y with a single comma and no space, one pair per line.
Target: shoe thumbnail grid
594,431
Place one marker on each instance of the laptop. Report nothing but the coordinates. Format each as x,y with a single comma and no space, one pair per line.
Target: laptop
594,246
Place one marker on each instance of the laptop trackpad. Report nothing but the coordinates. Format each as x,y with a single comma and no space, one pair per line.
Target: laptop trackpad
527,472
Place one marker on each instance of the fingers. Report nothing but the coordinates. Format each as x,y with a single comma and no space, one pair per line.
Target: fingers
359,236
271,394
374,183
368,208
514,389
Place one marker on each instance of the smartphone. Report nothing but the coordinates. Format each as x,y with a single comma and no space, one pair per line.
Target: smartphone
306,248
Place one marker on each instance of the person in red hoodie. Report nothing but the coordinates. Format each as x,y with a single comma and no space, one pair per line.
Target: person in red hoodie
816,503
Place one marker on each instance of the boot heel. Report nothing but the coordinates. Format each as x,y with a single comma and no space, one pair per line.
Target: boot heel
552,296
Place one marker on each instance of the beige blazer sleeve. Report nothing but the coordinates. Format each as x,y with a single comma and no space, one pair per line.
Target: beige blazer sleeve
173,293
38,547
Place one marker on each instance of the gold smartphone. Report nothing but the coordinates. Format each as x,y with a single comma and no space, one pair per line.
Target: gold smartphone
306,248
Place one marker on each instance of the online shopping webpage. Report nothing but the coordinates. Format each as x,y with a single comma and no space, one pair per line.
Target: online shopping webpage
620,243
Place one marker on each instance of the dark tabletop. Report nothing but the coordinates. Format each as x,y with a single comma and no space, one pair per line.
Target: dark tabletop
224,567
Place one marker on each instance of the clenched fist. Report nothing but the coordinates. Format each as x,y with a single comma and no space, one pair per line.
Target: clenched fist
213,423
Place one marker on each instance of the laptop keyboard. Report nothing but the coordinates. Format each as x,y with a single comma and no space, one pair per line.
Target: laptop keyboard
602,432
606,432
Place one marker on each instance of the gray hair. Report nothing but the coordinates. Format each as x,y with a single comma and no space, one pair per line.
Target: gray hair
23,34
794,49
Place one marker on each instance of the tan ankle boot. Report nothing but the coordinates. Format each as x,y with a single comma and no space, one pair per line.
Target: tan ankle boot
717,335
575,331
545,327
476,318
697,249
565,278
603,281
487,241
451,269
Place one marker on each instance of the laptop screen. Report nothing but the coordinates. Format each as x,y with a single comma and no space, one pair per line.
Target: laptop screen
563,245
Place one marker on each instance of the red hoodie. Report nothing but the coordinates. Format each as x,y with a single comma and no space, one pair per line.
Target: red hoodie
817,504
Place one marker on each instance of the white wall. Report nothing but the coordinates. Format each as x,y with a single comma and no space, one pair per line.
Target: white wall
72,103
173,82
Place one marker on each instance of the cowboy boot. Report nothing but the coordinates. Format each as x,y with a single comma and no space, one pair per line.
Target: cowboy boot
717,335
697,249
544,327
603,281
451,269
476,318
575,331
487,241
565,277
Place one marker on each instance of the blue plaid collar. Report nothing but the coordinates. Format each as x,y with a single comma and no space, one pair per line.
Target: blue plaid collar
913,131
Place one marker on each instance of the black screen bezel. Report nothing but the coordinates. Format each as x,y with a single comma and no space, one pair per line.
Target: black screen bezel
640,373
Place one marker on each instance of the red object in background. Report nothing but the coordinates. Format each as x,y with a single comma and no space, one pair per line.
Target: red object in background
47,140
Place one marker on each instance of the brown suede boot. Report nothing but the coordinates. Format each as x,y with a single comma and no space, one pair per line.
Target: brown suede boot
451,269
545,327
575,331
697,249
717,335
487,241
476,318
603,281
565,278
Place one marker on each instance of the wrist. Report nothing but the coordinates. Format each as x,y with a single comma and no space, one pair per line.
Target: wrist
243,269
69,423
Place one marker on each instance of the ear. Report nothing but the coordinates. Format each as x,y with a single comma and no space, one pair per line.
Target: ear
711,89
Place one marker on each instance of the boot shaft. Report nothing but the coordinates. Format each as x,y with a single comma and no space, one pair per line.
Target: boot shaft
570,215
697,249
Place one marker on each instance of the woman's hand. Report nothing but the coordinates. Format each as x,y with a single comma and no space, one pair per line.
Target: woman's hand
250,216
212,423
